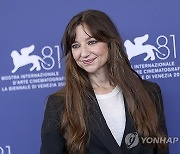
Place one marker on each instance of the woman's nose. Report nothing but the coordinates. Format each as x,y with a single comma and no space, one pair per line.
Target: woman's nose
84,51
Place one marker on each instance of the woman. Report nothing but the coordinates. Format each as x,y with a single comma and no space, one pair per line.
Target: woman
104,103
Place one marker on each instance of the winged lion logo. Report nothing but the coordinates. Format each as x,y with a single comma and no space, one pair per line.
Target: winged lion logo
24,58
138,48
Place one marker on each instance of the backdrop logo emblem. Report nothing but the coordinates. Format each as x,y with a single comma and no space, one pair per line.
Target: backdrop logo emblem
24,58
138,47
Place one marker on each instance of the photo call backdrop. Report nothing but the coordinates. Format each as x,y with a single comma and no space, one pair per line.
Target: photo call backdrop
31,66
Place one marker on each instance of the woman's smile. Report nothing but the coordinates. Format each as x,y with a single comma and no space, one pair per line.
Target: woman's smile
88,61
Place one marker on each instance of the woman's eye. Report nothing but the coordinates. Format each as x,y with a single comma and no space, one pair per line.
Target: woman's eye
92,42
74,46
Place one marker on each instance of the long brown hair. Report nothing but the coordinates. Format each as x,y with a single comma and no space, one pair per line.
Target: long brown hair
74,122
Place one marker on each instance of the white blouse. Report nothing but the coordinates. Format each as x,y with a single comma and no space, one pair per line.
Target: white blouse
113,110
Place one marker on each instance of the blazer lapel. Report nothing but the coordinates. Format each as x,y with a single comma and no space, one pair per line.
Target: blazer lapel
129,128
100,128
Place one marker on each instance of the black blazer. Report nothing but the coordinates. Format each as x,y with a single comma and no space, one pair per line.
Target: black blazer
101,139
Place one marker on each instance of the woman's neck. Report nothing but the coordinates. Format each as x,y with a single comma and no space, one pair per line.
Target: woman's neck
101,83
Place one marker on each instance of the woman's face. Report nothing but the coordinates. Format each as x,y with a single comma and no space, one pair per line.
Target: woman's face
89,54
